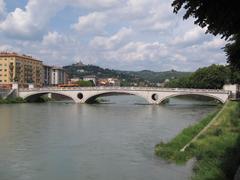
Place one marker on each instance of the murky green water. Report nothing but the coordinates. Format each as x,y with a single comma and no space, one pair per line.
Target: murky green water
113,141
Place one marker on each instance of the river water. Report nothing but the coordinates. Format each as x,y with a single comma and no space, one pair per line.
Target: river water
110,141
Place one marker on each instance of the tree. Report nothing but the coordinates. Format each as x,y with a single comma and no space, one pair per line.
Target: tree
211,77
83,83
233,51
220,17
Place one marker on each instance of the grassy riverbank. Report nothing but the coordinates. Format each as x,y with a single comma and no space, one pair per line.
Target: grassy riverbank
216,150
12,101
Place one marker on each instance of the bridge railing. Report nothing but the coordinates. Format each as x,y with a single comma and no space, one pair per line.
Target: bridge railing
123,88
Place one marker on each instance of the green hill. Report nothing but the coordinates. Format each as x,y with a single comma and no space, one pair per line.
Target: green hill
128,78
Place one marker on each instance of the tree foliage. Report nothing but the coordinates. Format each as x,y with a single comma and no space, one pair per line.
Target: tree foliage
212,77
232,51
220,17
83,83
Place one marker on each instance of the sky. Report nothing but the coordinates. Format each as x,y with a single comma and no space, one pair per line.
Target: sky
116,34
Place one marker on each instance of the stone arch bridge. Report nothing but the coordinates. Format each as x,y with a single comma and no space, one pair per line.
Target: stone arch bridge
151,95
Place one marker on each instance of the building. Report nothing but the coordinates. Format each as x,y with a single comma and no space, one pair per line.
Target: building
90,78
108,82
75,80
58,76
47,75
102,82
234,89
79,64
113,82
22,69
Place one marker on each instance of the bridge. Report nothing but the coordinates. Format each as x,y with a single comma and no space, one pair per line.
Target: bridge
151,95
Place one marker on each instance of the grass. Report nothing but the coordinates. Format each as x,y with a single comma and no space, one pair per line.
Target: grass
217,150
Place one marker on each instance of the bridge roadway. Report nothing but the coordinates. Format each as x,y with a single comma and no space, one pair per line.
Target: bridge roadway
150,94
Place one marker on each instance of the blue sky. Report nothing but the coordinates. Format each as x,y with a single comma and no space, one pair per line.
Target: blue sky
117,34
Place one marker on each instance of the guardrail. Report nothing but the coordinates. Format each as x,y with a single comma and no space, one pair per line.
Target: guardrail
124,88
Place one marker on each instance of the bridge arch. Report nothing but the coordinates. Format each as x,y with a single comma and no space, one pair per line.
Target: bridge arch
93,97
33,97
219,99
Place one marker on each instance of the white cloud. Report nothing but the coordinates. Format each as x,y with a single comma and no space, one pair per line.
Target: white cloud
215,43
52,38
137,6
31,21
189,37
94,3
112,41
179,57
158,18
138,51
91,23
156,38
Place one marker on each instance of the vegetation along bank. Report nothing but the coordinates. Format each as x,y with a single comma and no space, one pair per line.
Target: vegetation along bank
216,150
12,100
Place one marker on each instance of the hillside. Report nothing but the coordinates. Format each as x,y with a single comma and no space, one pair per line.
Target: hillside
128,78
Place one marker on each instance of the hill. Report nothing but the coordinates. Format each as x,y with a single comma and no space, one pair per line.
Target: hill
128,78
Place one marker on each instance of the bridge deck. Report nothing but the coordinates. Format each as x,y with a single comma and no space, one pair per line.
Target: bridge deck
219,91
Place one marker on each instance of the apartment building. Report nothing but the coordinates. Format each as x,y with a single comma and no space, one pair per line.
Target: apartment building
22,69
58,76
47,75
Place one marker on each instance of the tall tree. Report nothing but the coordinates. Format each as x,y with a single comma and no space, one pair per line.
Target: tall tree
220,17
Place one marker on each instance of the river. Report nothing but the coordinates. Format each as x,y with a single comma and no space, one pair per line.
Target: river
109,141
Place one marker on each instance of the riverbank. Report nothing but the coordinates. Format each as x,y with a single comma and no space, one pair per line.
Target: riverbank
17,100
216,151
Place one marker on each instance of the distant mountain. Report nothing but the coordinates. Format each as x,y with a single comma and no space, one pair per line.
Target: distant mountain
128,78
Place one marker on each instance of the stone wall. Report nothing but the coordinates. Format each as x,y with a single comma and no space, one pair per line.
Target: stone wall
4,92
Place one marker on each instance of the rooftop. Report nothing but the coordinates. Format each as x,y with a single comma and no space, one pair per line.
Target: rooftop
14,54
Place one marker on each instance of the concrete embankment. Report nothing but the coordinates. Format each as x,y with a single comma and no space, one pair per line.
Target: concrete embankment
4,92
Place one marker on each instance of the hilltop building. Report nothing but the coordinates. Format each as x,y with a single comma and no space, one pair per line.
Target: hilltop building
79,64
22,69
